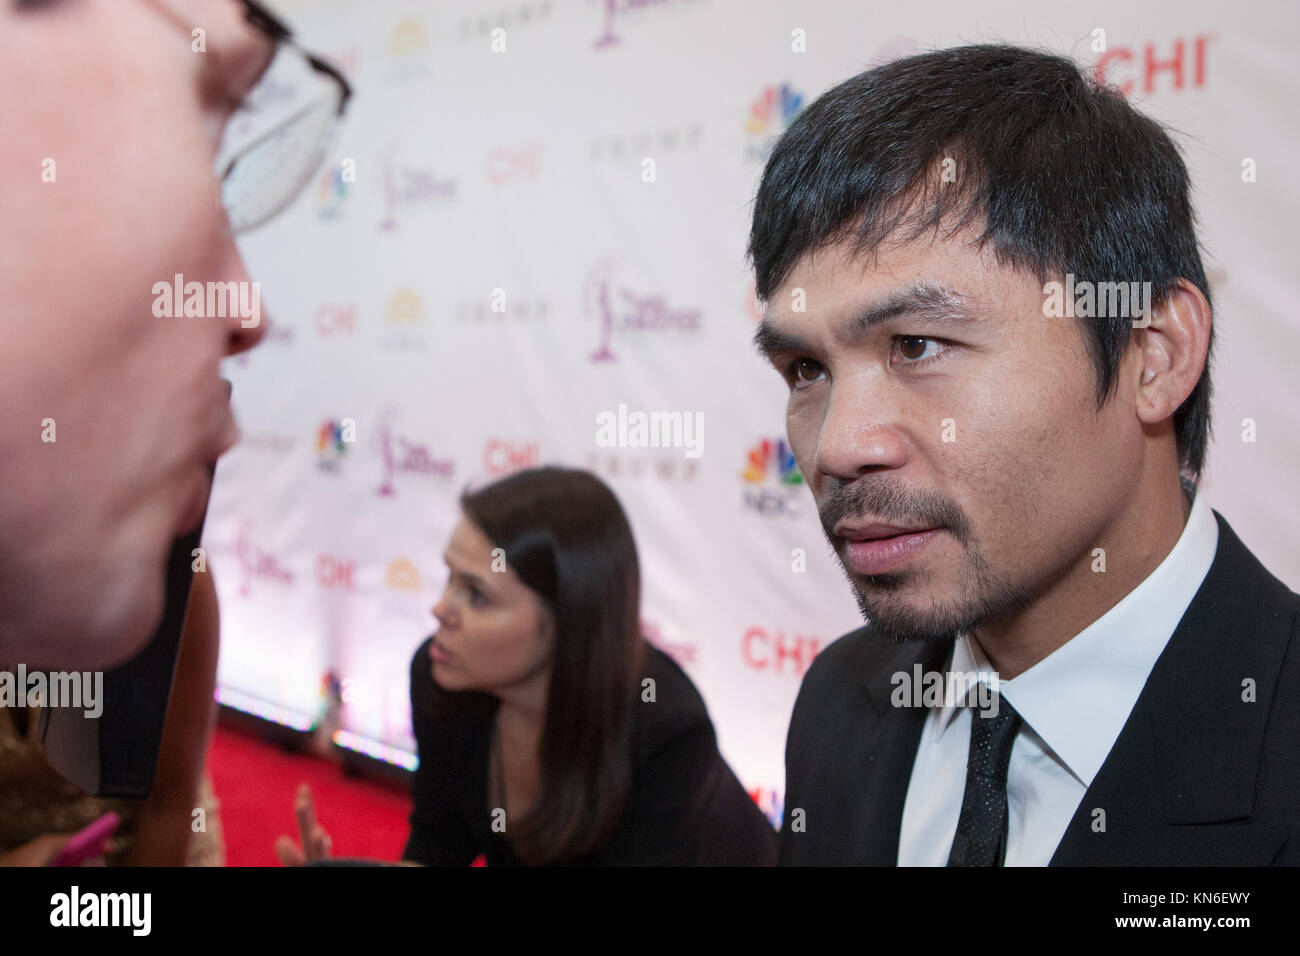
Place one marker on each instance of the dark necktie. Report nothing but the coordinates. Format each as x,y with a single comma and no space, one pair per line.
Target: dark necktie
981,838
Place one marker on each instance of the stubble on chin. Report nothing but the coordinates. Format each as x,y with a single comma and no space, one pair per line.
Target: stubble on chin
897,607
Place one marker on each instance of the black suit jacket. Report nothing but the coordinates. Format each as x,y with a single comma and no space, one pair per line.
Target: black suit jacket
686,807
1198,776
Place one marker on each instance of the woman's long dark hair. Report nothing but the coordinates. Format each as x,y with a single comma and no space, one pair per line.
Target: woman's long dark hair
565,535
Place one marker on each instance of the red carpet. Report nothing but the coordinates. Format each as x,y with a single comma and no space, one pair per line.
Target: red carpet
256,783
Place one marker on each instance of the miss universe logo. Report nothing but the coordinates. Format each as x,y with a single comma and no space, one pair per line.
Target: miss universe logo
617,9
401,455
256,563
623,312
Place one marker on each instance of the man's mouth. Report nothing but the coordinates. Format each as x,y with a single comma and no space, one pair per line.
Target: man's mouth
873,532
880,548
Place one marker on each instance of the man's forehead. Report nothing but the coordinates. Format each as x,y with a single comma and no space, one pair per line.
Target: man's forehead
850,315
845,267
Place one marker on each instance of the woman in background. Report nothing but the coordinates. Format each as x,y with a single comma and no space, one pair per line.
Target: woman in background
549,731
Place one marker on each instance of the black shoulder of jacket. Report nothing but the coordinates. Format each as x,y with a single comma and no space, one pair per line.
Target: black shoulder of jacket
854,669
847,659
677,708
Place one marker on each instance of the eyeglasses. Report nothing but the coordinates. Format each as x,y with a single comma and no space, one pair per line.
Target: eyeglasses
262,177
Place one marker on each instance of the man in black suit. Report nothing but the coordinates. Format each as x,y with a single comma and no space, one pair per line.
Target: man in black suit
984,293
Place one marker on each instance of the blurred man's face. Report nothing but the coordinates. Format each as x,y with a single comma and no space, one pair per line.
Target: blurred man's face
111,92
961,415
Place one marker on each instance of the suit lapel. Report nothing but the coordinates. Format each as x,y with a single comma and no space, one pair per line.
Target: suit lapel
894,733
1178,787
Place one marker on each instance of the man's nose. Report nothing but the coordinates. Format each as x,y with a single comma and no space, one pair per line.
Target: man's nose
859,433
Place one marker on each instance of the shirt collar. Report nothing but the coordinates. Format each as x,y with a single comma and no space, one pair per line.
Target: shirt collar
1105,666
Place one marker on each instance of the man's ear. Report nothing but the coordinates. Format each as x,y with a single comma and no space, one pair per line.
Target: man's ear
1171,353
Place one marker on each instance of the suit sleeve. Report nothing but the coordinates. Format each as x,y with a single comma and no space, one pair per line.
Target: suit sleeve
440,835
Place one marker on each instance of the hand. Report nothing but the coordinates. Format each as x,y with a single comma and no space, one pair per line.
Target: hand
316,842
38,852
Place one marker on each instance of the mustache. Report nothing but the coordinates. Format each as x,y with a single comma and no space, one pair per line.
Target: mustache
892,503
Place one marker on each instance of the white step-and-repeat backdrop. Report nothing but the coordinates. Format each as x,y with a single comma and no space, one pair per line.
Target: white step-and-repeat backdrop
499,272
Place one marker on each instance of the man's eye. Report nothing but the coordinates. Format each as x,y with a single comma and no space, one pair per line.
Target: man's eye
915,349
803,372
476,596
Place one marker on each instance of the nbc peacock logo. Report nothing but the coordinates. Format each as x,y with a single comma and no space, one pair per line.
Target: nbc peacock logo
332,191
773,110
772,457
770,114
772,479
331,445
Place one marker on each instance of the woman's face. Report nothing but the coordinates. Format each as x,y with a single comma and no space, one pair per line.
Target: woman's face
496,633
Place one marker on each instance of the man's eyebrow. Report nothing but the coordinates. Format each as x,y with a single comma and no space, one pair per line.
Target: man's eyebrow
927,299
770,341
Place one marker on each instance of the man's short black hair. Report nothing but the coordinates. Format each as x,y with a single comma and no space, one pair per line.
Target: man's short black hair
1063,174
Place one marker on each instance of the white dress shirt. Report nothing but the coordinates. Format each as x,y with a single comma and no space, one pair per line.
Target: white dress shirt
1074,703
